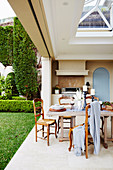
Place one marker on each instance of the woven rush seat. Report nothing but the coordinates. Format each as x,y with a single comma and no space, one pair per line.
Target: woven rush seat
46,122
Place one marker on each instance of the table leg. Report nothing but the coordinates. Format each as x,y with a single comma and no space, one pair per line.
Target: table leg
112,127
62,131
73,121
105,132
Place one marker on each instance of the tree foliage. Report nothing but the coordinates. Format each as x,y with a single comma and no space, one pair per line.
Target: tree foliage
24,62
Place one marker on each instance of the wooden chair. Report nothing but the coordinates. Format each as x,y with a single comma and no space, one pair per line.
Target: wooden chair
38,113
86,133
67,101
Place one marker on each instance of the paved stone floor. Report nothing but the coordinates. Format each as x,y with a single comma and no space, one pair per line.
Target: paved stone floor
38,156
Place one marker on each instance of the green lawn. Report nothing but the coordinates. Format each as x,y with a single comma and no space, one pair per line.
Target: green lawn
14,128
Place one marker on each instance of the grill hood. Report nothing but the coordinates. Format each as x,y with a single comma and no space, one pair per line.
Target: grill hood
72,68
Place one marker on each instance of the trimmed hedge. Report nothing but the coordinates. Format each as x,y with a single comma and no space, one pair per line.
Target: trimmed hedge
16,106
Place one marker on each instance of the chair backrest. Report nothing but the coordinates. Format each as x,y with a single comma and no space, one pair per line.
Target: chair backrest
65,100
87,116
90,97
38,108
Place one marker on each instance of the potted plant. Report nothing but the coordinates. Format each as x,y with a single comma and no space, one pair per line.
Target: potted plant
112,105
108,105
57,89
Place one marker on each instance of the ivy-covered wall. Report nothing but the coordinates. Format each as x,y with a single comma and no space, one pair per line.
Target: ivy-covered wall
6,45
24,61
17,49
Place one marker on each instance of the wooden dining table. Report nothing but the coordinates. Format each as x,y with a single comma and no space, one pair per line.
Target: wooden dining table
74,113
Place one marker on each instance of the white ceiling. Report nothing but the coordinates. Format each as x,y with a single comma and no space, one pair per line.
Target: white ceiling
63,17
58,21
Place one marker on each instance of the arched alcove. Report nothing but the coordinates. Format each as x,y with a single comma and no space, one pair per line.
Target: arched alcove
101,83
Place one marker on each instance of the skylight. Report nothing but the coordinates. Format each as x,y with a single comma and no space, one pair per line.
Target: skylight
96,15
93,2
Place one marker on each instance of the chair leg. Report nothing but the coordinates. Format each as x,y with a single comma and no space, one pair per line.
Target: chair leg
42,130
102,125
70,139
58,125
48,135
56,130
86,144
36,131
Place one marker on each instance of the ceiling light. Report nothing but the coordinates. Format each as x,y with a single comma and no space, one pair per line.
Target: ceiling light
65,3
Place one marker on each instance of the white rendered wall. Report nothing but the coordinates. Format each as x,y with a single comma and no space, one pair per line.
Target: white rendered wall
72,65
46,83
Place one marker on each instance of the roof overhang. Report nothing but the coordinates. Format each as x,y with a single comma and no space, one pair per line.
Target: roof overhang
53,27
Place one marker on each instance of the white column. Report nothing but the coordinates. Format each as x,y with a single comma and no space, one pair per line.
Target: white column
46,83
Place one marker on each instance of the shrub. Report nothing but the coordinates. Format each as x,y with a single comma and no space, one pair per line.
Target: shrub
12,98
2,83
106,103
18,98
8,87
5,98
5,86
16,106
14,88
2,98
